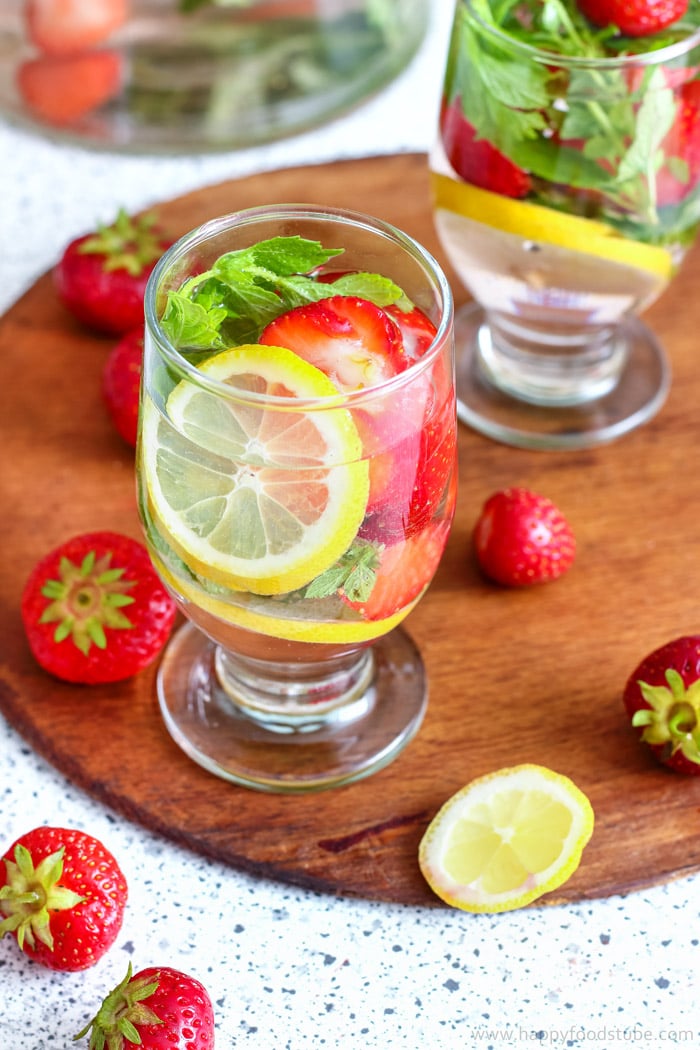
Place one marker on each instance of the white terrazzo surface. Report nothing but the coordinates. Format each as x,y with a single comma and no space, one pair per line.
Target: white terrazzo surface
291,970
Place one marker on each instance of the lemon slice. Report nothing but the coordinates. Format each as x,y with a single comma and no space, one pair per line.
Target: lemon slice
534,222
267,620
505,839
255,497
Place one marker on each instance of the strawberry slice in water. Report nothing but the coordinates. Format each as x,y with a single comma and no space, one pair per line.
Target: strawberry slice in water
404,570
350,339
417,330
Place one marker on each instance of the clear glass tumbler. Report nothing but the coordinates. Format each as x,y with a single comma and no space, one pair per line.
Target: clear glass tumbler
566,189
296,487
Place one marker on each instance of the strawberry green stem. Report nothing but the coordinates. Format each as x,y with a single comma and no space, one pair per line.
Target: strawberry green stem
120,1014
30,895
671,719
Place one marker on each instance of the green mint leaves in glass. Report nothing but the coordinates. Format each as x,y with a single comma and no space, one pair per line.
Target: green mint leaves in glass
565,179
296,469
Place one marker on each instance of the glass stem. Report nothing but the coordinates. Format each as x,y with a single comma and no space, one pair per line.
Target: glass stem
298,697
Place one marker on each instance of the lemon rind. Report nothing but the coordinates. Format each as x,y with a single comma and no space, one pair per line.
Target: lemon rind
292,629
535,222
349,485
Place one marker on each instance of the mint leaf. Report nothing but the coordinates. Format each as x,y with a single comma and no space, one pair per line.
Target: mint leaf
280,255
192,324
655,118
243,291
354,574
586,127
372,286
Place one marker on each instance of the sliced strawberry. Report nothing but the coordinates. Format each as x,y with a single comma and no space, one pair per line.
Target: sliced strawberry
417,330
354,342
121,383
62,89
476,160
411,467
634,17
680,172
63,27
404,571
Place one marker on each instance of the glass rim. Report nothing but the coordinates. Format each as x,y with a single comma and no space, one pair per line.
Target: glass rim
645,58
249,216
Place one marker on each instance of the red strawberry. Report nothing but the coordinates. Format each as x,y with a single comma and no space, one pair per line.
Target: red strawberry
101,277
121,382
417,330
662,697
408,479
350,339
522,538
476,160
62,896
62,27
61,89
634,17
156,1009
680,172
405,569
94,609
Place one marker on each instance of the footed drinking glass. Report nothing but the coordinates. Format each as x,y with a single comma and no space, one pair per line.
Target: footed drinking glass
565,180
296,470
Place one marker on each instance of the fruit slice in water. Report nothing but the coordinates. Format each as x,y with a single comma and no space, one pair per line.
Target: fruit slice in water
280,619
533,222
506,839
255,497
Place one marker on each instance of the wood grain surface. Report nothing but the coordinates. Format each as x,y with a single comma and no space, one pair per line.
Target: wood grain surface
515,676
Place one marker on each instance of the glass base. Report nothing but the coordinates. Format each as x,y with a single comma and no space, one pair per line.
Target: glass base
225,716
637,395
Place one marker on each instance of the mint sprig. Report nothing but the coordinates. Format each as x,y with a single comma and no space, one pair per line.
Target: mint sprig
594,130
243,291
354,574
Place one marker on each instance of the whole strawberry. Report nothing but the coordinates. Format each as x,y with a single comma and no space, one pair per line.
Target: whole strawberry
62,895
157,1009
477,160
94,609
101,277
634,17
121,381
522,538
662,698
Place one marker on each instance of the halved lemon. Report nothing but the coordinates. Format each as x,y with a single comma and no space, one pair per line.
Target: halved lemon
252,614
534,222
506,839
255,495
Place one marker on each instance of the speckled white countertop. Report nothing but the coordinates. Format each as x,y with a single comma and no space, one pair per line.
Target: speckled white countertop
287,969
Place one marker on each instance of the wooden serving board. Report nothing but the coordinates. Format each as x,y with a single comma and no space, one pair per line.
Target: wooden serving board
515,676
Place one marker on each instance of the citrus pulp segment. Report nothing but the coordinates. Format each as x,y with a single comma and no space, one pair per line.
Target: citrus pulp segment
255,495
291,626
534,222
506,839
